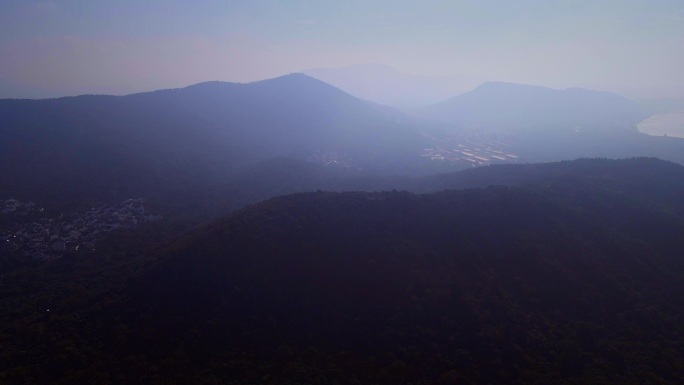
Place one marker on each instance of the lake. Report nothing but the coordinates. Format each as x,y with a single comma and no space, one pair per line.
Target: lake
670,124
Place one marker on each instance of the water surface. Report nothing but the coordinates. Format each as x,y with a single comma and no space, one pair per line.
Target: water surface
670,124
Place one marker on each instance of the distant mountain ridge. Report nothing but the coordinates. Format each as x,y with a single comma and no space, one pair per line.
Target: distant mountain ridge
198,145
180,141
524,108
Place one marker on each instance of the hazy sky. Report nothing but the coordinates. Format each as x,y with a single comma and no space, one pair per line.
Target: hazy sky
123,46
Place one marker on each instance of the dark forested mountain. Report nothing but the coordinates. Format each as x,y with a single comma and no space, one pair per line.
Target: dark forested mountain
196,146
516,107
637,175
176,143
572,276
286,176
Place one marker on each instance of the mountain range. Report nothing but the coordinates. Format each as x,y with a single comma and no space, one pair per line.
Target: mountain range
286,232
193,149
94,148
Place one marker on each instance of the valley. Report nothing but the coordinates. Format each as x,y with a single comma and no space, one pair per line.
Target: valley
474,151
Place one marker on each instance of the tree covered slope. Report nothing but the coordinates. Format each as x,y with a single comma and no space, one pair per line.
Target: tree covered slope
573,276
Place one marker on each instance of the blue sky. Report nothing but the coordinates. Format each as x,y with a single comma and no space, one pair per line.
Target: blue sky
86,46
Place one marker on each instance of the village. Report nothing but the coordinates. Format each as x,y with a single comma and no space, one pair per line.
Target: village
49,238
332,158
475,151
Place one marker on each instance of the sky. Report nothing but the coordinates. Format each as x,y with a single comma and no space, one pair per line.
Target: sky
633,47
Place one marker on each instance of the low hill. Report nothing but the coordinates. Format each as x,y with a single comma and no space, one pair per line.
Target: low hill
637,175
573,276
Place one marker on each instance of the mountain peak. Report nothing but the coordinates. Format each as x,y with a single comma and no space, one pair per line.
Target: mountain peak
211,84
293,79
297,79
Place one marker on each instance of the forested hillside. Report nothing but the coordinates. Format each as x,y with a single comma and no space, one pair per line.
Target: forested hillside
562,280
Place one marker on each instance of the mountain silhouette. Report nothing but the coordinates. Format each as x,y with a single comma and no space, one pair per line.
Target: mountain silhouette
175,143
516,107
